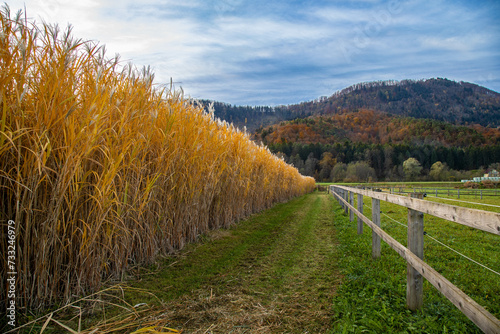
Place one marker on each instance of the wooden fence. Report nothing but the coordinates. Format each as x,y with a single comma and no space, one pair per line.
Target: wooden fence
441,192
416,267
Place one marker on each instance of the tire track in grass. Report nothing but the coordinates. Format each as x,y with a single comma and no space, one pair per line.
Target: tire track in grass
272,273
303,272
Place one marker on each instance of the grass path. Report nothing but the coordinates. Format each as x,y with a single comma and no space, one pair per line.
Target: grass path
272,273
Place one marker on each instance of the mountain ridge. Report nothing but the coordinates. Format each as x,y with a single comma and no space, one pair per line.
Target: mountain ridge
460,103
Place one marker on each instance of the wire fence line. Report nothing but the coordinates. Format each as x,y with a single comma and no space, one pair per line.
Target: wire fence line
468,202
394,220
440,242
443,198
444,191
463,255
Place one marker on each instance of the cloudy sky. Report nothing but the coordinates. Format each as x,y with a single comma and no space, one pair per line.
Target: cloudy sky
266,52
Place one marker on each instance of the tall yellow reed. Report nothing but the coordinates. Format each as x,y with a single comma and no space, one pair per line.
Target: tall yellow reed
100,169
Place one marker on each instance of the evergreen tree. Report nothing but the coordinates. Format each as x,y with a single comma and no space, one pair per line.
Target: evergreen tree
310,165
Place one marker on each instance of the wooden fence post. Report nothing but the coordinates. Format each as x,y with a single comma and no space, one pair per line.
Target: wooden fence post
360,209
414,280
376,221
351,201
346,198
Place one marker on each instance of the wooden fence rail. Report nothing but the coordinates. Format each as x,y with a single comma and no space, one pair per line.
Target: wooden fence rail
417,268
479,219
436,192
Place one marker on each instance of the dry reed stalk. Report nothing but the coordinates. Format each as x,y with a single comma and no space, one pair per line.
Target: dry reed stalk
100,169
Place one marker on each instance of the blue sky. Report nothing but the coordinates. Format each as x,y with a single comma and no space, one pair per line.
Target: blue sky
265,52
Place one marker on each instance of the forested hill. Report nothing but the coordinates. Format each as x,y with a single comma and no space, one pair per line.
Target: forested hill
440,99
375,127
325,146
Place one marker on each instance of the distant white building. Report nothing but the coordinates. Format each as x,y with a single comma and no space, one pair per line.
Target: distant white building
493,176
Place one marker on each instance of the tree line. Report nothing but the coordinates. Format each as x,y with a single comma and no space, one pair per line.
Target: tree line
347,160
252,117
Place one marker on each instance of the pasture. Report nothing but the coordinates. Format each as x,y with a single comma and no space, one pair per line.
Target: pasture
446,246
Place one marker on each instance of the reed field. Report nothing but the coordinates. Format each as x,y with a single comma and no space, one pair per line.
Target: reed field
101,169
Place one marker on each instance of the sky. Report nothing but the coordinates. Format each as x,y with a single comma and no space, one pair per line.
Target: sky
265,52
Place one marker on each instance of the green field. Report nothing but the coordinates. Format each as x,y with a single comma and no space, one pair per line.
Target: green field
295,268
373,298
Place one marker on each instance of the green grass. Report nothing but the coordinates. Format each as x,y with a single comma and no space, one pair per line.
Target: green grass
373,294
282,259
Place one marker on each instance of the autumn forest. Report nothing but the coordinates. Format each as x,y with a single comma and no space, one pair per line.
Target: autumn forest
367,131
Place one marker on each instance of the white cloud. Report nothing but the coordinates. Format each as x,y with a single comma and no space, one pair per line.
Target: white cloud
235,49
467,43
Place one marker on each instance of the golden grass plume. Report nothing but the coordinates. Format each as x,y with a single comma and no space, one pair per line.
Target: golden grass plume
101,169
